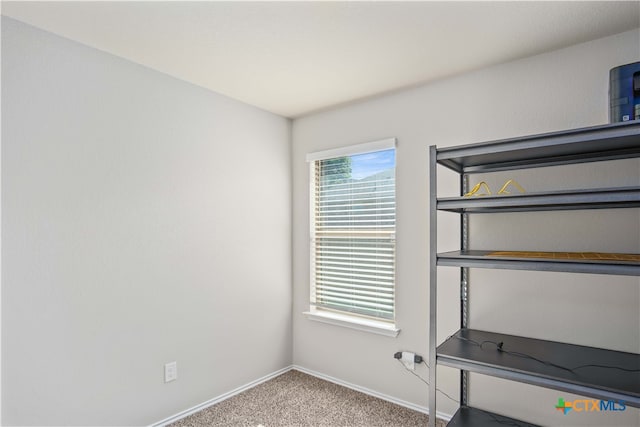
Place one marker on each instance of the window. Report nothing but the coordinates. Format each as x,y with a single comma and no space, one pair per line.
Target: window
353,220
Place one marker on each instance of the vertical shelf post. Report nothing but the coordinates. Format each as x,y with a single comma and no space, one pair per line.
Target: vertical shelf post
433,278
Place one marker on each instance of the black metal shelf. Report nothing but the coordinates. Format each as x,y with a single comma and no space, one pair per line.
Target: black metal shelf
485,259
607,142
520,357
463,351
467,416
603,198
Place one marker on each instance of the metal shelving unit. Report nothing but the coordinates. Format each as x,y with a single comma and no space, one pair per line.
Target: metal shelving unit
460,351
486,259
467,349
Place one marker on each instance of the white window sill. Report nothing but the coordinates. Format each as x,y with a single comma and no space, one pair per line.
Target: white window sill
358,323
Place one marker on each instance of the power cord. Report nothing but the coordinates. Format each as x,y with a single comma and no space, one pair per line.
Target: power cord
513,353
425,381
496,419
593,365
500,348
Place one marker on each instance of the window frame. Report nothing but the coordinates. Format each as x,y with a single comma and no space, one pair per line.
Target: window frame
348,319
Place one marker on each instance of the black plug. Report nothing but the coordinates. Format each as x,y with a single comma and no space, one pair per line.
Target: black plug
398,355
500,344
417,358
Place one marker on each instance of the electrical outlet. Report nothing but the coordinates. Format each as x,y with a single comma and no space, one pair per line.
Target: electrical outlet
170,371
408,359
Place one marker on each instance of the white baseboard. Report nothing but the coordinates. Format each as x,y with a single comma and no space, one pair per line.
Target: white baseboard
225,396
423,409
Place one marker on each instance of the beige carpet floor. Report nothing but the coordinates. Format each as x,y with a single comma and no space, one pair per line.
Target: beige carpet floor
298,399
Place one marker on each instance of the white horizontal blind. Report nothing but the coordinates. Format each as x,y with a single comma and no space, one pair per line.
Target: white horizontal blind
353,234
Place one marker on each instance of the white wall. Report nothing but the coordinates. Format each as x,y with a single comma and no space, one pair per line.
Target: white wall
145,220
554,91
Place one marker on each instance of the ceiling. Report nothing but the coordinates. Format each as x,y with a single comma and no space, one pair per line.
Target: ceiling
293,58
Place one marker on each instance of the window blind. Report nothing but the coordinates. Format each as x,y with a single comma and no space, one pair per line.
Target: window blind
353,234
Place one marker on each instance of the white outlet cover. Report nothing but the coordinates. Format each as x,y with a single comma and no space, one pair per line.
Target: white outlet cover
408,360
170,372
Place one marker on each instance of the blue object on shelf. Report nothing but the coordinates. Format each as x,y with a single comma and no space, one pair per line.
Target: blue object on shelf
624,93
